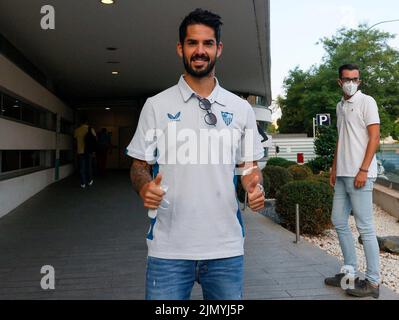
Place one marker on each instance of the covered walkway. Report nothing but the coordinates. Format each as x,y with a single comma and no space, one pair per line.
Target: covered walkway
95,240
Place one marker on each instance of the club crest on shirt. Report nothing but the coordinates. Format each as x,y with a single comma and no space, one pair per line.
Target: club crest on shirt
227,118
175,117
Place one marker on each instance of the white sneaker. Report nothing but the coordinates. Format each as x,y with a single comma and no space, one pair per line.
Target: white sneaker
90,183
83,186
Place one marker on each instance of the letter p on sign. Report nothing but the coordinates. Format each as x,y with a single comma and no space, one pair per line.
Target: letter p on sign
323,119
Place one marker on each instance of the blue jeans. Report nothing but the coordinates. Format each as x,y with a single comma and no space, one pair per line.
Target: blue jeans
360,201
220,279
85,168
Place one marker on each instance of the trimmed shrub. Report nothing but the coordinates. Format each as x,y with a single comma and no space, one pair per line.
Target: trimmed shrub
280,162
289,164
325,174
241,191
299,172
315,205
320,178
276,161
318,164
278,177
324,145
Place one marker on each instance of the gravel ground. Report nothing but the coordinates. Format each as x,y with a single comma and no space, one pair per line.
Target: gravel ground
386,225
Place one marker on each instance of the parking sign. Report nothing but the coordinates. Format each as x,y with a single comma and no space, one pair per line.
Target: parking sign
323,119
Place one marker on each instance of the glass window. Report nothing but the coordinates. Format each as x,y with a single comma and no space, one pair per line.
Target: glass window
11,107
9,160
66,127
18,110
30,115
30,159
12,160
52,121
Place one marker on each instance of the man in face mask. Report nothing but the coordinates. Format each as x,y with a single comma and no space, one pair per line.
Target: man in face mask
353,173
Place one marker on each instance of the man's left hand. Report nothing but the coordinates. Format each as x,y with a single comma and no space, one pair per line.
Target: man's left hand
256,198
361,179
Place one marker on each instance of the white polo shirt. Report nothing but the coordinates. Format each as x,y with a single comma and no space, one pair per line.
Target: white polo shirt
353,118
197,162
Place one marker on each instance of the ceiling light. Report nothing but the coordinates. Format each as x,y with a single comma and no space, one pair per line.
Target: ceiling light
115,72
107,1
108,109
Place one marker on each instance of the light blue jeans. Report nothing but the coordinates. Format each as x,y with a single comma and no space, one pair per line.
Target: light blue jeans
346,199
220,279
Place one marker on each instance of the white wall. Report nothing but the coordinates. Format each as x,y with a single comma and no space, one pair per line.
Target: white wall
66,171
18,136
14,192
262,113
289,147
17,81
65,142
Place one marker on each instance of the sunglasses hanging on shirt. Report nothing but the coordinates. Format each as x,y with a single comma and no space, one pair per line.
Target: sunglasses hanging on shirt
205,104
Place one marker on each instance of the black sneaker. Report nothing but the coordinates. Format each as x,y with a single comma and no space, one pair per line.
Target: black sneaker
363,288
334,281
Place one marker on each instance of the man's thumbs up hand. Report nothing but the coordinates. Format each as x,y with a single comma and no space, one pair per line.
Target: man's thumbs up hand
158,179
256,197
252,184
152,193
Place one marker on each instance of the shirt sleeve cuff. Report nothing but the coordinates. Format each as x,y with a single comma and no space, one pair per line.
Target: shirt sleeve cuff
140,156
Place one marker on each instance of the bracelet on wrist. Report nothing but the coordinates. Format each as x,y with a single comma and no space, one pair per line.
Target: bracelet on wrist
363,170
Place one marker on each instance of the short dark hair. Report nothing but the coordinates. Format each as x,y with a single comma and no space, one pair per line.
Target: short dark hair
348,66
201,16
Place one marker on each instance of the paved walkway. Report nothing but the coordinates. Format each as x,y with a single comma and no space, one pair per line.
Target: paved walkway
95,240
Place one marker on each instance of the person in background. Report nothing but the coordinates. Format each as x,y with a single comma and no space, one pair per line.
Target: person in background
85,142
104,144
353,173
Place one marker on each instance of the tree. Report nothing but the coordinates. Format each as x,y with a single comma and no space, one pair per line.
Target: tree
316,90
324,145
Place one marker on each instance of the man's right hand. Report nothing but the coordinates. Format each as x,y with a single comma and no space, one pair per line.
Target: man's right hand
333,178
152,193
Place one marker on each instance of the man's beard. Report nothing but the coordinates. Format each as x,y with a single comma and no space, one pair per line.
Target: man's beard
202,73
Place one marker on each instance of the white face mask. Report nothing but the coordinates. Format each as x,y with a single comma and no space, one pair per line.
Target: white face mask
350,88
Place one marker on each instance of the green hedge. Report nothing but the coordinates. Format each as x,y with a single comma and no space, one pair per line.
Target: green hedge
278,177
320,178
280,162
299,172
315,204
318,164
